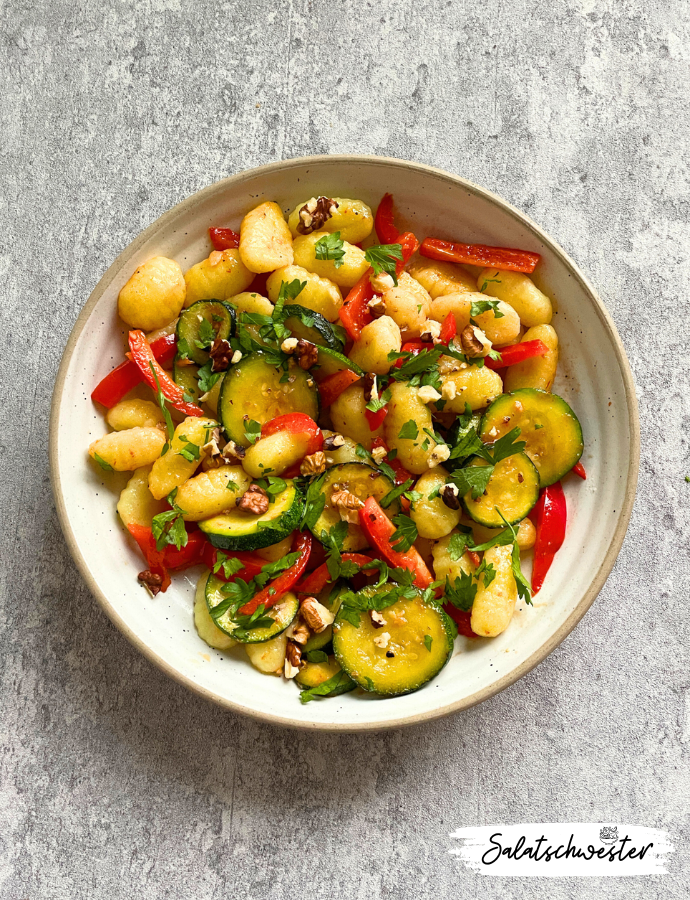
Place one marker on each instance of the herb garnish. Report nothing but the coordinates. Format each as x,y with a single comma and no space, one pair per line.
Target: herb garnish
330,247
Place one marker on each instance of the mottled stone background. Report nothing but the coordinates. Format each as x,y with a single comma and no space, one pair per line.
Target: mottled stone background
116,782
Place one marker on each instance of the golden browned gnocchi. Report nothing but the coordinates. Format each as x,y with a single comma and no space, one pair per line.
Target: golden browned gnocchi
410,419
154,295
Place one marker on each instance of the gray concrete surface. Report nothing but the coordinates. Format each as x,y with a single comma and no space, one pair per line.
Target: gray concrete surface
117,783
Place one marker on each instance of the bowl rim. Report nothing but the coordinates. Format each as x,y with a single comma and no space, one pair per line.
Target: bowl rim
527,665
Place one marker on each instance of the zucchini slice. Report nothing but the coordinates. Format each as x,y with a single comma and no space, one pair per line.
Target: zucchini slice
220,317
320,332
547,424
255,390
315,674
238,530
513,488
413,663
361,480
332,361
187,378
282,614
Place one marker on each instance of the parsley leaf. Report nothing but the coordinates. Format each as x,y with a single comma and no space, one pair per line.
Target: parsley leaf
405,535
230,565
481,306
462,591
103,464
472,478
339,683
383,257
523,586
314,503
409,431
207,378
168,527
428,641
333,542
457,545
183,349
506,446
330,247
207,335
487,282
316,656
252,430
160,397
487,571
376,403
191,451
396,492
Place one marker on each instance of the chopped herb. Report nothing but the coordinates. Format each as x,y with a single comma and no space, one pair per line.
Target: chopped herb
229,564
330,247
461,592
168,527
207,334
482,306
537,427
487,571
687,478
160,396
339,683
472,478
106,466
183,349
377,403
405,535
315,501
207,378
252,430
396,492
232,486
487,282
428,641
383,258
409,431
316,656
190,451
523,586
457,545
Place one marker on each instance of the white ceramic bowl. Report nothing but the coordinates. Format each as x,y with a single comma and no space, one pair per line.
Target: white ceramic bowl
594,378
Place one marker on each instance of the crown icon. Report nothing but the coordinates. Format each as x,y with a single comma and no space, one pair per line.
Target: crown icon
609,834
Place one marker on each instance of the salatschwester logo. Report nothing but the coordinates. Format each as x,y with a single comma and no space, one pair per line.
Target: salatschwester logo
563,849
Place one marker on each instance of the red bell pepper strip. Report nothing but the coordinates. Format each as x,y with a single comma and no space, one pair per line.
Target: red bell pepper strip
354,314
414,347
111,389
517,353
317,580
334,385
449,329
251,562
401,473
141,354
410,245
296,423
277,588
480,255
189,555
384,223
224,238
462,619
379,530
375,419
155,559
550,516
579,470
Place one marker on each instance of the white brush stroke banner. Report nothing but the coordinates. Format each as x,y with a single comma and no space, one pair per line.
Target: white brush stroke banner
560,850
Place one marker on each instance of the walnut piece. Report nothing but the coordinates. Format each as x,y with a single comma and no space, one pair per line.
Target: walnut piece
314,464
376,306
299,631
289,670
449,390
254,500
233,453
369,386
317,616
450,496
333,441
152,581
307,354
381,640
382,282
474,342
427,394
294,654
439,454
377,619
431,331
379,454
212,445
347,505
221,355
315,213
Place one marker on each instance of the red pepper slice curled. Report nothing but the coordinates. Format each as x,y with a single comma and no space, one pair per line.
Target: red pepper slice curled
141,354
111,389
317,580
480,255
334,385
550,517
296,423
224,238
273,592
384,221
379,530
354,314
517,353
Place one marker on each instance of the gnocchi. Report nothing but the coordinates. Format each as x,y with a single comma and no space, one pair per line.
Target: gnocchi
352,265
128,450
319,294
352,218
154,295
220,276
265,239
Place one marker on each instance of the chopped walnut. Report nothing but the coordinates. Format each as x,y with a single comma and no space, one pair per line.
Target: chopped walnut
236,357
450,496
474,342
313,464
152,581
254,500
289,670
294,654
431,331
221,355
439,454
289,345
347,505
212,445
299,631
377,619
521,477
316,615
315,213
307,354
382,282
333,441
381,640
427,394
233,453
449,390
369,386
377,307
379,454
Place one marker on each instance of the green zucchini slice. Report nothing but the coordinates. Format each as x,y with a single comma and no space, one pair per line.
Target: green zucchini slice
319,332
238,530
361,480
187,378
332,361
513,489
547,424
219,316
282,614
255,390
315,674
414,662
